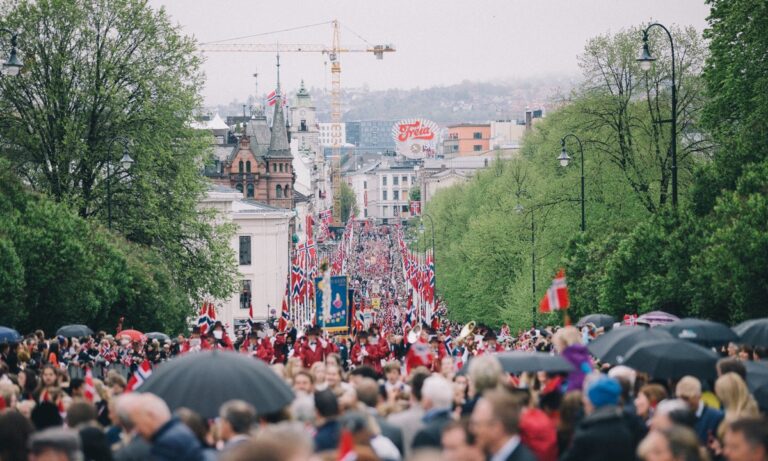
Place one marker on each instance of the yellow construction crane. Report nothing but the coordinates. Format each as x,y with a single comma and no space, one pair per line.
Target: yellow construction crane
333,51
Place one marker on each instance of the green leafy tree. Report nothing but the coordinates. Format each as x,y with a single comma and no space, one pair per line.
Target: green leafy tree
348,202
96,70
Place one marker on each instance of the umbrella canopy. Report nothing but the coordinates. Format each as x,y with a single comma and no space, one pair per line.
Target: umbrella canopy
599,320
672,359
757,374
203,381
519,361
158,336
753,332
657,318
701,331
761,395
72,331
613,346
9,335
134,335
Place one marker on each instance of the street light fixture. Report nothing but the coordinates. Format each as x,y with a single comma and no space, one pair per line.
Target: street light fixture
125,162
564,160
645,60
13,65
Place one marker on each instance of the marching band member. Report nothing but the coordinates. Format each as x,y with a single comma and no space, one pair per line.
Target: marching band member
365,353
419,354
310,350
490,344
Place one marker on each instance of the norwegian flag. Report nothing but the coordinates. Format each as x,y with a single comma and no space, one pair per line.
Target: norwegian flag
285,316
139,376
89,390
557,295
448,345
431,278
272,98
326,216
204,319
250,317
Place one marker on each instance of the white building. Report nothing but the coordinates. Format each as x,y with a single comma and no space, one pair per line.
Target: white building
260,246
439,173
382,189
325,134
507,134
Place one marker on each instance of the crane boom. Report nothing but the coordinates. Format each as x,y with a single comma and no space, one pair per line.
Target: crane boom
333,53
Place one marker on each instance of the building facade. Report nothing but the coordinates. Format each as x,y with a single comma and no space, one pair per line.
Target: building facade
371,134
467,139
382,189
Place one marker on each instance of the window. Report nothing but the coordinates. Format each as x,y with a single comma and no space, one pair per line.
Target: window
477,147
240,167
365,184
383,180
477,135
278,191
303,125
385,211
413,179
395,210
396,195
245,249
395,181
274,168
287,191
248,166
365,212
383,195
239,187
404,180
249,190
245,294
281,168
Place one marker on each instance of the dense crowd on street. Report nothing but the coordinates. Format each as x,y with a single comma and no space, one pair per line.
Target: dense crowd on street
434,391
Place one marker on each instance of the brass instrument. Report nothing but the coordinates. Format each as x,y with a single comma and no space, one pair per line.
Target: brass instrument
469,329
414,334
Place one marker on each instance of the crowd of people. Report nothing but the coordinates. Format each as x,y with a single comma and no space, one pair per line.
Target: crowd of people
433,392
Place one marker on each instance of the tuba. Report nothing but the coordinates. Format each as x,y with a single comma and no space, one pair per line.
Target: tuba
469,329
414,334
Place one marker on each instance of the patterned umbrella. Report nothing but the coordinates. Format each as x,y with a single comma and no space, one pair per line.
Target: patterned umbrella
701,331
134,335
657,318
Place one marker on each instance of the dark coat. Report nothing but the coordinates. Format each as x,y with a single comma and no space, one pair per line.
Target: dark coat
327,436
431,434
608,434
521,453
136,450
175,441
707,424
391,432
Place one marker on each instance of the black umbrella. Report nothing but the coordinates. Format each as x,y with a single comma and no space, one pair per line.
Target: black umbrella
203,381
598,320
672,359
753,332
74,331
757,374
9,335
761,395
701,331
158,336
614,345
519,361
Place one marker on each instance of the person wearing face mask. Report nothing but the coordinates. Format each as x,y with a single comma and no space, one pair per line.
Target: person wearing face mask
264,351
194,343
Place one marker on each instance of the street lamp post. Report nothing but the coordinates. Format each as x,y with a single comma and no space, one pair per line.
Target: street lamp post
564,160
13,65
519,208
126,161
645,61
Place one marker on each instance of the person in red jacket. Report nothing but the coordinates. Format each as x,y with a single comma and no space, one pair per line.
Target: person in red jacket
311,350
280,348
218,338
265,351
250,346
420,353
363,353
490,344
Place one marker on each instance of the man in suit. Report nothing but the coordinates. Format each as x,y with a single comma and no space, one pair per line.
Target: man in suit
494,422
410,420
707,419
437,400
235,420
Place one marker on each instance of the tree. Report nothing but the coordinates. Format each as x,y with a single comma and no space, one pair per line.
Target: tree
96,70
348,202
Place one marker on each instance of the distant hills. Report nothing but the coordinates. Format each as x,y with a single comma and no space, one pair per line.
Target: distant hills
463,102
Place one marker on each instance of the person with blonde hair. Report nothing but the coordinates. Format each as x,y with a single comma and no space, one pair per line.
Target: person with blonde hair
567,343
737,402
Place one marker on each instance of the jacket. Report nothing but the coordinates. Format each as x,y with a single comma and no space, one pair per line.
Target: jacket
608,434
430,436
707,423
175,441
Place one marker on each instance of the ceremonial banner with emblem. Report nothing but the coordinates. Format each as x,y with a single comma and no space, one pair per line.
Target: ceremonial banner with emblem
339,310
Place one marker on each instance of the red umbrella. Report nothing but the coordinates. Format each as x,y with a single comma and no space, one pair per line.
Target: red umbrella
134,335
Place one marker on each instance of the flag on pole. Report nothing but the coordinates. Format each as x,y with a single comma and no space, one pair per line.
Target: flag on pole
557,295
139,376
272,98
251,322
89,390
282,324
204,320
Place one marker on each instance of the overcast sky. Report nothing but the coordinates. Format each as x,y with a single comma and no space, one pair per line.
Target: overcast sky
439,42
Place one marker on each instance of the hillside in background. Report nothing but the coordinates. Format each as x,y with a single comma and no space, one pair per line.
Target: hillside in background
463,102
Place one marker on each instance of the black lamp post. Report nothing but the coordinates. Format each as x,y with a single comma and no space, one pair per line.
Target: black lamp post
13,65
564,160
645,60
519,209
126,162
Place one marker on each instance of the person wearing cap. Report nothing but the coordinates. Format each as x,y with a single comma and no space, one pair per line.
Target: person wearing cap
490,344
607,433
363,353
55,444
